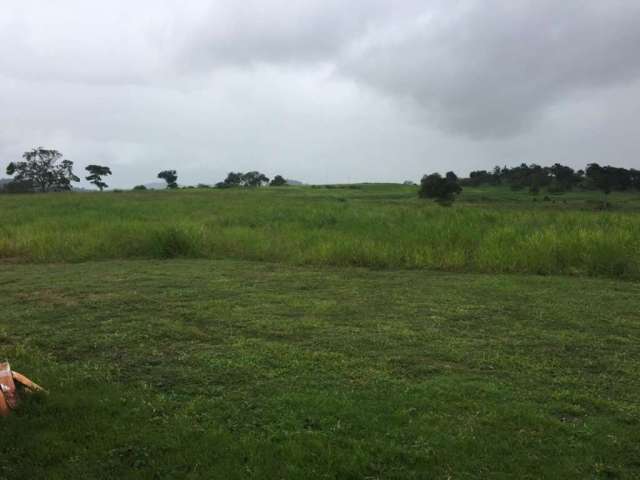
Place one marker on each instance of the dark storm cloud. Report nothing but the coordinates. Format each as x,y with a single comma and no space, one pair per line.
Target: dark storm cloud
490,68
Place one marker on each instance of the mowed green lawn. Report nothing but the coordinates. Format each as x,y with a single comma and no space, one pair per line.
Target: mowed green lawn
237,369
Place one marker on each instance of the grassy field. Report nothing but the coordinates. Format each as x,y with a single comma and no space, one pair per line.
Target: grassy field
489,230
347,332
236,369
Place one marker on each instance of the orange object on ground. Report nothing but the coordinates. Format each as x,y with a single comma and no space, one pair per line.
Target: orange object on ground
8,393
7,386
26,383
4,408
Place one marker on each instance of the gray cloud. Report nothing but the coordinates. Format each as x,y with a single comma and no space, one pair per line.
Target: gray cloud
480,68
491,68
320,90
258,31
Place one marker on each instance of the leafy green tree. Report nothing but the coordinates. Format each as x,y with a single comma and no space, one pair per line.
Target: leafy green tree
606,179
600,178
480,177
96,172
234,179
254,179
169,176
278,181
635,178
565,177
536,180
440,189
44,169
18,187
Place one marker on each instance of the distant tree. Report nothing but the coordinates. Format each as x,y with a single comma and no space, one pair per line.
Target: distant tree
496,176
565,177
278,181
479,177
451,177
169,176
44,169
203,185
96,172
440,189
600,178
254,179
635,178
233,180
249,179
557,178
536,180
18,187
139,187
606,179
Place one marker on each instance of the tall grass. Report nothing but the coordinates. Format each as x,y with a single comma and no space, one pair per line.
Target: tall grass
382,227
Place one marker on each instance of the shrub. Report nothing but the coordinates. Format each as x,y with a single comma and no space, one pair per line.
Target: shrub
173,242
17,186
442,190
278,181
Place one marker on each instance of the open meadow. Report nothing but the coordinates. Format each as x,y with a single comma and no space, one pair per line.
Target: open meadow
298,332
491,230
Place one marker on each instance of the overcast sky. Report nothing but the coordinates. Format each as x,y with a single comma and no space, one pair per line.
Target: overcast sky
320,90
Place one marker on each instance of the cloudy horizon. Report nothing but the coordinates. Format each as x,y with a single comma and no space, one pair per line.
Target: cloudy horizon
320,91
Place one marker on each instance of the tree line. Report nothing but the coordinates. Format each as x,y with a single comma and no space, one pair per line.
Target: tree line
45,170
250,179
556,179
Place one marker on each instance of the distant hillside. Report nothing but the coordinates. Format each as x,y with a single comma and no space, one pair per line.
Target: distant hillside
156,185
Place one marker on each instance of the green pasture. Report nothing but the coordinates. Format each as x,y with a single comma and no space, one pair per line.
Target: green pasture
235,369
490,230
